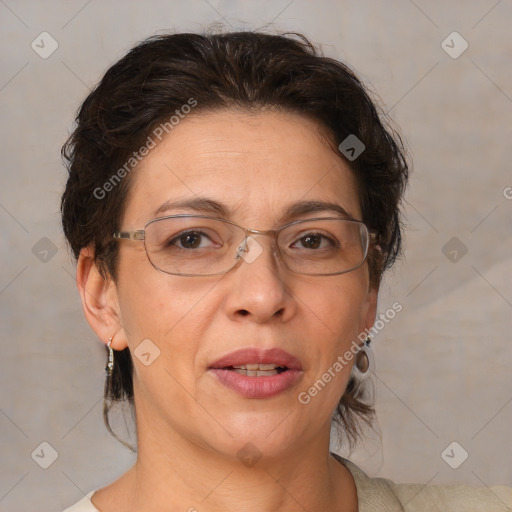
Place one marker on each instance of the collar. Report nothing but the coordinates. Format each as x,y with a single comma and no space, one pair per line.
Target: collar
373,494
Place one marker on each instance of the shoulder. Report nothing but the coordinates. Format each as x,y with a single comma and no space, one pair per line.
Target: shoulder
84,505
382,494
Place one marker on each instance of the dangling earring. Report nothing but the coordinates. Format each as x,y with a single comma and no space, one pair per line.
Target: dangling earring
110,365
364,360
361,370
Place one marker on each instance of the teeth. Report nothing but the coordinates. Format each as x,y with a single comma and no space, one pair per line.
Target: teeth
268,366
255,373
256,366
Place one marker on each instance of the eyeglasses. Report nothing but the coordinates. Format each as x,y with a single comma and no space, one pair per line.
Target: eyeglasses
197,245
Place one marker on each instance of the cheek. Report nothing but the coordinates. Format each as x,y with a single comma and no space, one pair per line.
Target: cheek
333,314
340,306
173,312
164,322
151,301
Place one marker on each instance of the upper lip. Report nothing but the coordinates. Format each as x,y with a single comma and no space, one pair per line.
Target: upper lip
253,356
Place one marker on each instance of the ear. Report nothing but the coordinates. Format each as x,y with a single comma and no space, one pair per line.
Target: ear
369,309
99,300
370,305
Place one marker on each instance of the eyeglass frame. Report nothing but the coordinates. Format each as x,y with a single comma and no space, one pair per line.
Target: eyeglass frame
140,234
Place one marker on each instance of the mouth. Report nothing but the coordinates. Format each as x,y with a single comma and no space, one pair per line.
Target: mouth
250,361
255,373
257,370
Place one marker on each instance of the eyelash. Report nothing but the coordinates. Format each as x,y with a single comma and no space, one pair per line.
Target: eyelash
173,241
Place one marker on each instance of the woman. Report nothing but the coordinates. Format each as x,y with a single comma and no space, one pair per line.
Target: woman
232,203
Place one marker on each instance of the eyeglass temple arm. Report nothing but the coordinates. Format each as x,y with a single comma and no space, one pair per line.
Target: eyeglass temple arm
130,235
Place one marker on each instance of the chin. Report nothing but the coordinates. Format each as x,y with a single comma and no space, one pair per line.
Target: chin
257,434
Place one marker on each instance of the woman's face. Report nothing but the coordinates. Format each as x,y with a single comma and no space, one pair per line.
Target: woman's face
257,166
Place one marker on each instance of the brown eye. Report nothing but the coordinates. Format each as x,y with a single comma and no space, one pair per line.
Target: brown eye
311,241
191,240
314,241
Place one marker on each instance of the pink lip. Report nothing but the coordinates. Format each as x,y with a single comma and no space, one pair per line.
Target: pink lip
257,387
254,355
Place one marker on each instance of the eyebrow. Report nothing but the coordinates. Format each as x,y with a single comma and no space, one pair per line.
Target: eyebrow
210,206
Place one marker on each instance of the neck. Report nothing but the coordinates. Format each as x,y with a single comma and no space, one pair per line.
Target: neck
173,473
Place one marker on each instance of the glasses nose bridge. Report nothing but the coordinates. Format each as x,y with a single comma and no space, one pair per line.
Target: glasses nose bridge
272,233
266,232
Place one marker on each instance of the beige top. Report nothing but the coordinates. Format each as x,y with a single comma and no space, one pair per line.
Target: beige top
383,495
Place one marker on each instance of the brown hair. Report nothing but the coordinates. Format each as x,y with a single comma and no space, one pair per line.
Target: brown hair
244,70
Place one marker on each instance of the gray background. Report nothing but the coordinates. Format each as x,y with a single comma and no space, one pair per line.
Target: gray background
443,364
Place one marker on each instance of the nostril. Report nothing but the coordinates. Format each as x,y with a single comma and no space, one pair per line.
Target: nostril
243,312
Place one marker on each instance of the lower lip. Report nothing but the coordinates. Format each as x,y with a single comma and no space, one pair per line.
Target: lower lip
257,387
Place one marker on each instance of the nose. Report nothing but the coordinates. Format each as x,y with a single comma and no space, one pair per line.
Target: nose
258,286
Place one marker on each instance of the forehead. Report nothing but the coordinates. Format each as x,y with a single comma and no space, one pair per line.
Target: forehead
256,163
